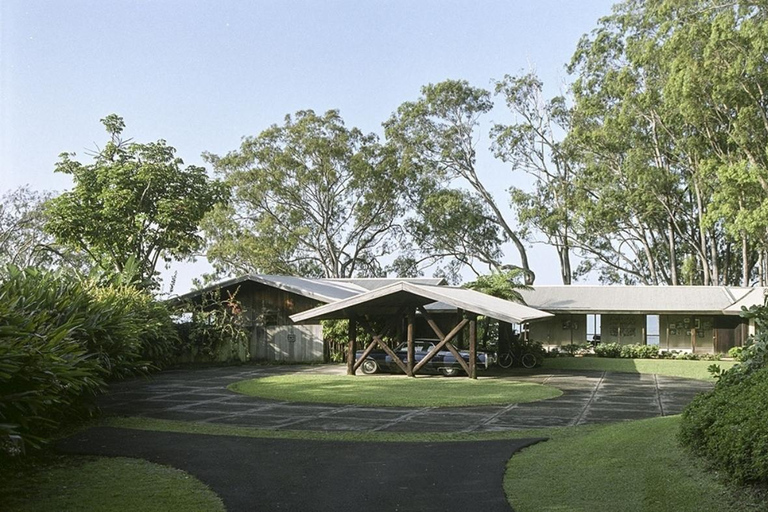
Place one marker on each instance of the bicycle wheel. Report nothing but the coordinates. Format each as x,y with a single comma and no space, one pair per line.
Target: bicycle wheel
528,360
505,359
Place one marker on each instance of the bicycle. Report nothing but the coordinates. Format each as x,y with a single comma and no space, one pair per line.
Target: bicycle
518,352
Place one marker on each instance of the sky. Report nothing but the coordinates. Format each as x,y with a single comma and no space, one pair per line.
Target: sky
204,74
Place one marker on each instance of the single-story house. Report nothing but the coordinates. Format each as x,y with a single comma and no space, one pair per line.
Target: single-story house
702,319
689,318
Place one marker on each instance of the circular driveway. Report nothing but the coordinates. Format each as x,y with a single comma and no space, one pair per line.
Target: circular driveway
201,395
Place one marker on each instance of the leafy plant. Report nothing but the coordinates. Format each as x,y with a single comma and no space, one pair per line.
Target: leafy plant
608,350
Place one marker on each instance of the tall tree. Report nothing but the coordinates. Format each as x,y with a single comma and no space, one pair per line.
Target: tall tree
533,145
310,197
23,240
436,137
134,205
670,101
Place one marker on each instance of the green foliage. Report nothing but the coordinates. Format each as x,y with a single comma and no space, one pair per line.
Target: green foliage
639,351
435,138
572,349
608,350
504,284
310,197
134,201
727,426
736,352
61,341
214,328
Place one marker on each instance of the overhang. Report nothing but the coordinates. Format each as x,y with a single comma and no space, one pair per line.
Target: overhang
389,299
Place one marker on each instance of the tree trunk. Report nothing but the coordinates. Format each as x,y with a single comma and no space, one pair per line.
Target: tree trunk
744,260
672,255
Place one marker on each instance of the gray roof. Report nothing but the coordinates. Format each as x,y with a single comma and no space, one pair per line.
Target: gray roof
323,290
642,299
390,298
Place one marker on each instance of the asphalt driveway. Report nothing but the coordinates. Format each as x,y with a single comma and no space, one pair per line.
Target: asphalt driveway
284,474
201,395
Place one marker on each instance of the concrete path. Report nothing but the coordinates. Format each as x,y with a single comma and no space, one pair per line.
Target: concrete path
588,397
283,474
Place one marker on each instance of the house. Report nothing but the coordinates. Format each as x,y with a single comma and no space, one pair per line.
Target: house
269,300
702,319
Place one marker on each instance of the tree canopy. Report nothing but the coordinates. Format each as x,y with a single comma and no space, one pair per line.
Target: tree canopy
134,204
309,197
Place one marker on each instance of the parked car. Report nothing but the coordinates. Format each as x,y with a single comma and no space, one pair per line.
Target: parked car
443,362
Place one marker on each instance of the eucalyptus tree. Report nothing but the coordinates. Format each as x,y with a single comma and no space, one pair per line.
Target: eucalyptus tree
436,138
134,205
309,197
533,144
669,104
23,239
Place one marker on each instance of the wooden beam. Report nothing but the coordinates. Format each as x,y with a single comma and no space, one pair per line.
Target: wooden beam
383,345
431,323
473,347
370,347
352,345
410,334
458,357
446,340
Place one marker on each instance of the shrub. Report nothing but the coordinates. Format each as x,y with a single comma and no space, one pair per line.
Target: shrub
215,329
735,352
46,372
608,350
639,351
573,349
60,341
727,426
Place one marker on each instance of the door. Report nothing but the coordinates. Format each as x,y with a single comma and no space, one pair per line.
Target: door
725,332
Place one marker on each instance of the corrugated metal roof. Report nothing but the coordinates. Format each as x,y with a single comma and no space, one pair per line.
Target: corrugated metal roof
640,299
323,290
402,293
372,283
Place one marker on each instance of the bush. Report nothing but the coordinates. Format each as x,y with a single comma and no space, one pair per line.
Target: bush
735,352
573,349
46,372
608,350
727,426
60,342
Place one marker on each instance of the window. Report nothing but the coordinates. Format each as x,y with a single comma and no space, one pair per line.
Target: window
652,330
593,327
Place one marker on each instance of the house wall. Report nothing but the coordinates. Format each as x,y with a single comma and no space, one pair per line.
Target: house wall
274,337
559,330
623,329
687,332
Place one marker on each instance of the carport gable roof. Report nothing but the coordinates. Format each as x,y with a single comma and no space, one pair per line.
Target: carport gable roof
389,299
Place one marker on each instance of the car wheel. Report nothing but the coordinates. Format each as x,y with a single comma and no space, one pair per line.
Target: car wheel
505,360
528,360
449,372
370,366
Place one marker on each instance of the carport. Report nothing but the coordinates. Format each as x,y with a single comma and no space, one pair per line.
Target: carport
403,300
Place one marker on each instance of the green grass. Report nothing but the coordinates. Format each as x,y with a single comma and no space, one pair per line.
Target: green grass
670,367
214,429
394,391
85,484
633,466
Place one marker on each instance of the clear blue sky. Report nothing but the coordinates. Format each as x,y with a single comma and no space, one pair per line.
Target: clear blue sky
204,74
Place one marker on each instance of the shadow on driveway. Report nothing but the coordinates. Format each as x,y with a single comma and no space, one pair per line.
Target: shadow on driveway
284,474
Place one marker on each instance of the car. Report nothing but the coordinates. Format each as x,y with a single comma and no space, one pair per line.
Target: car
443,362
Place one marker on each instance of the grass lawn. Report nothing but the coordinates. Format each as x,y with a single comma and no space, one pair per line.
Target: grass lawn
84,484
632,466
394,391
671,367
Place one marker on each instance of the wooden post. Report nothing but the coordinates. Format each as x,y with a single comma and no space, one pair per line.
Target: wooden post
473,347
352,346
411,315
